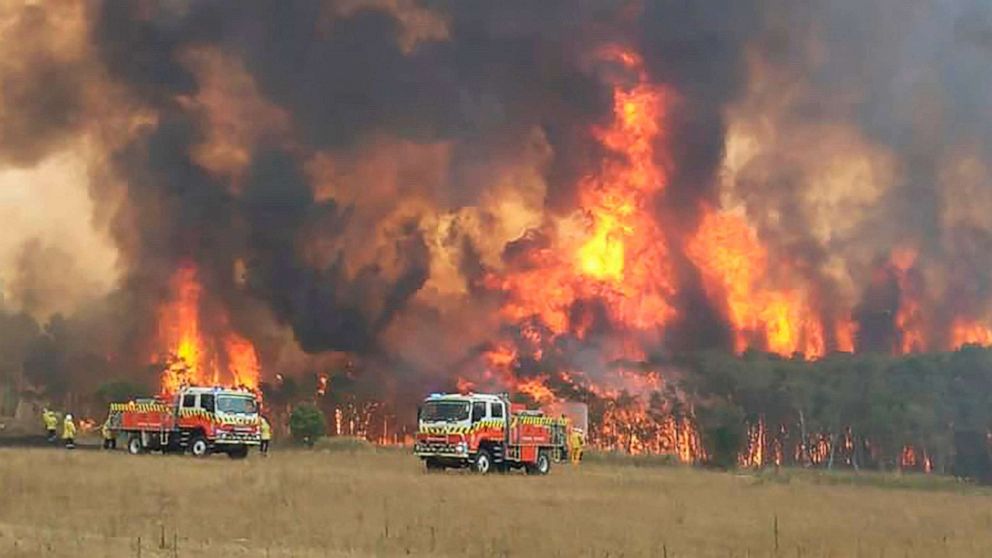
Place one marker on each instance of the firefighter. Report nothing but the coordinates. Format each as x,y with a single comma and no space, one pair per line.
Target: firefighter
69,432
266,432
575,444
51,422
109,437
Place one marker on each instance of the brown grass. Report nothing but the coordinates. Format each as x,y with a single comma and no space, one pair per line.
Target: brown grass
381,502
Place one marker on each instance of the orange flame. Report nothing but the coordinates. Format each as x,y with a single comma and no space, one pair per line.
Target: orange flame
909,319
537,391
625,254
965,331
87,425
622,257
733,265
192,356
844,333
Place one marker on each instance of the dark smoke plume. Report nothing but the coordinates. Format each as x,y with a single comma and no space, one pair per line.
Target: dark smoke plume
364,138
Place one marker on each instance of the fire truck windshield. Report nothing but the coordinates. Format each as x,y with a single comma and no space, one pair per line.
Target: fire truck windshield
236,404
446,411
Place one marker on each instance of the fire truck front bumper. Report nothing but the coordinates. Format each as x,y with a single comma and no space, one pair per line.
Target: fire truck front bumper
233,437
440,448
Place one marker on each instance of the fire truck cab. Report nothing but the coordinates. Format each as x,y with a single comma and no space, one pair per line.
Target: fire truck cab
486,432
201,420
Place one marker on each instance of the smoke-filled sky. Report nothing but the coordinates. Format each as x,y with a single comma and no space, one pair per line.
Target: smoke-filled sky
416,182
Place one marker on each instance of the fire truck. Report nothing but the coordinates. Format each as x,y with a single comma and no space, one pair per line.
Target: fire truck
201,420
487,433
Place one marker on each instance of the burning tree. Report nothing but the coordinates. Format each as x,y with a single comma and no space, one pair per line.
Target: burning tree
545,198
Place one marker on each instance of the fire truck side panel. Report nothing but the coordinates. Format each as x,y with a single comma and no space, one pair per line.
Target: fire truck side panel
528,454
487,433
533,434
145,417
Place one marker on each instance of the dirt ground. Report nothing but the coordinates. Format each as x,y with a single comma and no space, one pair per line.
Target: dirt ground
380,502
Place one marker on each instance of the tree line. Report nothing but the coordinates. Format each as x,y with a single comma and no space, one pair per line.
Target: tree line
863,410
844,410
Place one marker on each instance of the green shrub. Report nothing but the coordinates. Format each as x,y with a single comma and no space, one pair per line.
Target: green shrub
306,423
721,427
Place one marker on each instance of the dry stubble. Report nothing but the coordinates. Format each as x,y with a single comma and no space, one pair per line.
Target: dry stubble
59,503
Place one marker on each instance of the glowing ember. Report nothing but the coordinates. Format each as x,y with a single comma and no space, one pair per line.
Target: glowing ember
322,385
912,459
754,451
87,425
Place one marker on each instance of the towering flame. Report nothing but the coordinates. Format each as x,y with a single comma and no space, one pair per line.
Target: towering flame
194,356
909,319
625,256
619,258
733,264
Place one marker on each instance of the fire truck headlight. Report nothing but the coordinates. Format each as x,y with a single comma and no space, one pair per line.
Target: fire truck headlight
461,447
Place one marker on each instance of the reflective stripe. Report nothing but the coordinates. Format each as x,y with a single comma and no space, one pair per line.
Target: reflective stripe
462,429
140,407
541,421
235,421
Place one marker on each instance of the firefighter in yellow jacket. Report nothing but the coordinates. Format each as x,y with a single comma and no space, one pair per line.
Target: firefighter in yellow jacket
576,442
109,437
69,432
265,429
51,423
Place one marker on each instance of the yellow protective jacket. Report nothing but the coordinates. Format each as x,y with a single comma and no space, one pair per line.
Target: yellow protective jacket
68,430
50,420
105,430
576,443
265,430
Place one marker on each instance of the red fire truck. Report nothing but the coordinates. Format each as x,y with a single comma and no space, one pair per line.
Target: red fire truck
198,419
487,432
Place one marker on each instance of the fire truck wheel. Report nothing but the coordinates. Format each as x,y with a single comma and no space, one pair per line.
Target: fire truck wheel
238,453
543,463
199,447
134,445
542,466
483,462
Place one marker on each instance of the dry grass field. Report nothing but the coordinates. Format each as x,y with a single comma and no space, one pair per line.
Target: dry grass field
382,503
